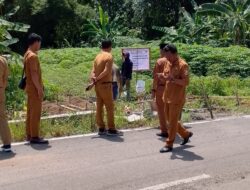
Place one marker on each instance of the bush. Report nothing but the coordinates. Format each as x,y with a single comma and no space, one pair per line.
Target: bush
224,62
218,86
66,71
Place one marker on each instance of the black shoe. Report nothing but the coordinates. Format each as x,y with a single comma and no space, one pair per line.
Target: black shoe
114,133
164,135
6,148
185,141
102,131
166,149
37,140
28,138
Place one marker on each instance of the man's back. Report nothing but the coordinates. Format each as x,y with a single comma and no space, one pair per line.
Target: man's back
32,67
102,60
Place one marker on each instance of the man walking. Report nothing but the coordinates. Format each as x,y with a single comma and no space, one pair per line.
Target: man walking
101,75
4,128
34,90
158,90
176,75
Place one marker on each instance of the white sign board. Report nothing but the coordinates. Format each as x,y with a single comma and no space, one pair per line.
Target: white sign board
140,58
140,86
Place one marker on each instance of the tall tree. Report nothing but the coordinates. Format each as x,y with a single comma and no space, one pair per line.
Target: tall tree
58,21
236,13
156,12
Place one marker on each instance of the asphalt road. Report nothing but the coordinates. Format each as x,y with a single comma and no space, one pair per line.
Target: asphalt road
218,157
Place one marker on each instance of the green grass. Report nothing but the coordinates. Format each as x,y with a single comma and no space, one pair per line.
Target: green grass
81,124
66,73
86,124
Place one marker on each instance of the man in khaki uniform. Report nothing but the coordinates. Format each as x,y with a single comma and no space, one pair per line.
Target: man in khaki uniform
158,90
101,75
34,90
4,129
176,75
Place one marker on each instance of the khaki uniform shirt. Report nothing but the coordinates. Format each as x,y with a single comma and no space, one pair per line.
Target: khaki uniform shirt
102,60
174,93
3,72
32,67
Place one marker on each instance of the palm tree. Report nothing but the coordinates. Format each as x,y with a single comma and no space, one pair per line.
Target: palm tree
236,13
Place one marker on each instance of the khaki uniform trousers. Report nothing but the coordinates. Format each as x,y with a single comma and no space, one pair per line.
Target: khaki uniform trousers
161,108
34,110
104,97
4,128
173,112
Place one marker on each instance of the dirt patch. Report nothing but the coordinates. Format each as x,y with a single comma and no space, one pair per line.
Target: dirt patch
68,105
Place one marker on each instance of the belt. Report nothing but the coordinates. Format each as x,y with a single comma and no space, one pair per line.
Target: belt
109,82
161,84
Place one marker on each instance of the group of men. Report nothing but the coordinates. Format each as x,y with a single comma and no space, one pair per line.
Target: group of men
34,90
171,77
170,80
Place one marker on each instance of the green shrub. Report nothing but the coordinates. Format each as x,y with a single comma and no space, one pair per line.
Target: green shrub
224,62
66,71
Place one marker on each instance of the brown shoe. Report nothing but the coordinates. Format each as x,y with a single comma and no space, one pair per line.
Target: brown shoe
38,140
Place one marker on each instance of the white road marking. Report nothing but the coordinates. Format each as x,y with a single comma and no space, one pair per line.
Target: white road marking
178,182
131,130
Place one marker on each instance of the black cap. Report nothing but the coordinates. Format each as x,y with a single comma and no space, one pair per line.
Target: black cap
171,48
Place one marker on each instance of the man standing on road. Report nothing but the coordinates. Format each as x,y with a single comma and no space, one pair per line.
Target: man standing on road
176,75
34,90
101,75
158,90
4,128
127,70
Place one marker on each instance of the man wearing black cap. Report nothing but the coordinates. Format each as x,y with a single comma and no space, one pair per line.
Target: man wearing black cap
127,69
176,75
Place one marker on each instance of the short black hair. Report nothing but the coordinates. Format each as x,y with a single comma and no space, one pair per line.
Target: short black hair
162,45
171,48
34,38
106,44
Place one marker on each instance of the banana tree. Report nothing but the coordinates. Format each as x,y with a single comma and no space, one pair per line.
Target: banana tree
236,13
6,27
190,29
101,28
